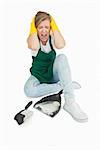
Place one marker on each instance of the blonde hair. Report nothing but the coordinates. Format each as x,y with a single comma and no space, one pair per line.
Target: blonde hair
41,16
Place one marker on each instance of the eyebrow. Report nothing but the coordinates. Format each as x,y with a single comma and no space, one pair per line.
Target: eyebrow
45,26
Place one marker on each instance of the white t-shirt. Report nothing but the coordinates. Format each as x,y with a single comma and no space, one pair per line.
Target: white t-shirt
45,48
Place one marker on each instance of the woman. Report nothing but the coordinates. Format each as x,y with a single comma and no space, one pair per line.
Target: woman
50,73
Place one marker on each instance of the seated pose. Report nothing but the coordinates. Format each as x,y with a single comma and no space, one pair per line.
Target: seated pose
50,73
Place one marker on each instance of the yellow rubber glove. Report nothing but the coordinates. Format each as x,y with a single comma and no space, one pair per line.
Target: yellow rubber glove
32,27
53,25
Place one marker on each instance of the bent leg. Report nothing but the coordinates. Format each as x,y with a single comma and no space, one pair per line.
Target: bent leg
34,89
29,86
62,74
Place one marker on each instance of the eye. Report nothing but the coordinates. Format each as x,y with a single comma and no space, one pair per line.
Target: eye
47,27
40,27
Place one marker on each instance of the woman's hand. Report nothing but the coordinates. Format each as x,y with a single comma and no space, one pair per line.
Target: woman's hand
59,41
53,25
33,28
33,41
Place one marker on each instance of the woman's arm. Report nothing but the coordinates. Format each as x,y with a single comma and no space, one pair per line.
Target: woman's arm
59,41
32,40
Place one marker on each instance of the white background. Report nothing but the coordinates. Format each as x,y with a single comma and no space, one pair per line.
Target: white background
77,22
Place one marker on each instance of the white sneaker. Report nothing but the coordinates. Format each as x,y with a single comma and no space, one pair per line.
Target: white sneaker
75,111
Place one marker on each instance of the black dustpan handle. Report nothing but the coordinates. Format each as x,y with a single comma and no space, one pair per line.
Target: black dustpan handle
28,105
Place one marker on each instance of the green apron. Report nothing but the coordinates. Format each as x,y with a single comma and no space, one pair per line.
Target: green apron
42,65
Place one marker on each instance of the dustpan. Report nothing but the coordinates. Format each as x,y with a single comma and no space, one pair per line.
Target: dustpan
49,105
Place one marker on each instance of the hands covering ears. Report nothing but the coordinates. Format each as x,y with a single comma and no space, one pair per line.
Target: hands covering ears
33,41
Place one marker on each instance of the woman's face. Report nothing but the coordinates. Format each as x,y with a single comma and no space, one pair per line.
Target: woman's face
43,30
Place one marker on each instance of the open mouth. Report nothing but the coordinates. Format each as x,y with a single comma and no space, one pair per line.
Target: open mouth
44,36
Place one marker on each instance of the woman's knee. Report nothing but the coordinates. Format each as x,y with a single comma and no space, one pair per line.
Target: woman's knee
26,90
62,57
62,60
30,86
30,91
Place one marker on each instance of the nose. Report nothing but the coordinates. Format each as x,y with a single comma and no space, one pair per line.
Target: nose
44,30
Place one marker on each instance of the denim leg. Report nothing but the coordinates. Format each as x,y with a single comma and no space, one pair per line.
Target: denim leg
62,74
34,89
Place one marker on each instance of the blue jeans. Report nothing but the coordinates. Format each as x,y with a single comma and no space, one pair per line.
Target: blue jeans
61,81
